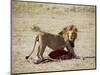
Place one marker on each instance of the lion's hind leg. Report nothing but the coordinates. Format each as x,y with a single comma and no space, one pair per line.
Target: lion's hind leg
38,53
42,49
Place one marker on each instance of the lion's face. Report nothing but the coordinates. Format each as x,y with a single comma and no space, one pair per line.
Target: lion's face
70,33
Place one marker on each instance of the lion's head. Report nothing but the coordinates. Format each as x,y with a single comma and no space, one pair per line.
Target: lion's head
69,33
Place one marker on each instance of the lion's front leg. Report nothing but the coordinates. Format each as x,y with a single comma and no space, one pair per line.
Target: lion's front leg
70,49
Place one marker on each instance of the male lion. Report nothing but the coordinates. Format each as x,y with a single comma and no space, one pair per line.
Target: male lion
65,38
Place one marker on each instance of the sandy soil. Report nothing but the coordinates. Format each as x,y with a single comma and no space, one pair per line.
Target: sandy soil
52,21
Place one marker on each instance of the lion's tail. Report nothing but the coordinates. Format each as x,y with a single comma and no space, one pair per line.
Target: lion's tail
37,39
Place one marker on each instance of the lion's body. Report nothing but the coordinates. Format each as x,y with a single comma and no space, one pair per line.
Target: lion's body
51,40
56,41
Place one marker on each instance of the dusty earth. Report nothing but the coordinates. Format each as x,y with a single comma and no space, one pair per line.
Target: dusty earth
51,18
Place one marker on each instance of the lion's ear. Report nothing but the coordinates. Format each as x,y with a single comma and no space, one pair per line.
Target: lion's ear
65,29
76,30
60,33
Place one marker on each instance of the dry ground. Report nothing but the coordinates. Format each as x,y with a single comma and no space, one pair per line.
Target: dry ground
52,21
